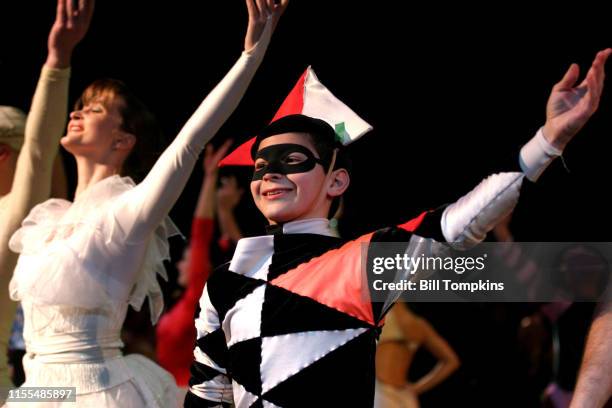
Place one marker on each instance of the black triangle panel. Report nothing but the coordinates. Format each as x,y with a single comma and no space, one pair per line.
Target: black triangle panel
214,346
291,250
244,364
285,312
225,288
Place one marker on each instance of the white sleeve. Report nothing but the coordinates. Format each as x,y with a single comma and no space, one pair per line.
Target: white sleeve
466,222
149,202
537,155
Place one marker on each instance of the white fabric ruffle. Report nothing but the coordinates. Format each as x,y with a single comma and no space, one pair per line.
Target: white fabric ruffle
130,381
67,254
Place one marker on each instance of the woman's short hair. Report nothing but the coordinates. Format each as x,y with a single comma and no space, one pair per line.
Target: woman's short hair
136,119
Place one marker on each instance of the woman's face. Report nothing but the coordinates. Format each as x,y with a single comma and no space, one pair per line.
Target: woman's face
95,128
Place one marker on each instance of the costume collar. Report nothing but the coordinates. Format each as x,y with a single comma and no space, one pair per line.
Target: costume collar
252,254
320,226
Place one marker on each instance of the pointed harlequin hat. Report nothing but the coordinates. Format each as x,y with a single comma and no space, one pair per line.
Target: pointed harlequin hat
309,97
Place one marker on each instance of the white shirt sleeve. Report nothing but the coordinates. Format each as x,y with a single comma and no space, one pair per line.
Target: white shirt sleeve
537,155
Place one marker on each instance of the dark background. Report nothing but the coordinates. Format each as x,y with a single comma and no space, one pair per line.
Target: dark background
452,92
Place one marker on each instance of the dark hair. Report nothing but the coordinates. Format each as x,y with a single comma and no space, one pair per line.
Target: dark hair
136,119
323,138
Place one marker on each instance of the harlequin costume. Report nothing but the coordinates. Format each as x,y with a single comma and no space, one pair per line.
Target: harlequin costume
291,320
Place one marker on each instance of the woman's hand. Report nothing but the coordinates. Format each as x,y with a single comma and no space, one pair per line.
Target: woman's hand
71,24
259,13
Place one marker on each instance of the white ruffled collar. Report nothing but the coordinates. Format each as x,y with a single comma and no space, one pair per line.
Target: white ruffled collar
106,188
66,261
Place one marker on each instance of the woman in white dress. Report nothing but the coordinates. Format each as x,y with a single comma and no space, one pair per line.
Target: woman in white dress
82,263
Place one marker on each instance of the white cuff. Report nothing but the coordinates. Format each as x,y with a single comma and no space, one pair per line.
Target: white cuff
536,155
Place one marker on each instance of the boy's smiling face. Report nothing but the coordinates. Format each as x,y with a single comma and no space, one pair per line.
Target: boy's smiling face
292,189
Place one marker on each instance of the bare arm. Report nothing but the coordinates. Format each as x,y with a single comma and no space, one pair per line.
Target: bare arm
228,197
594,386
206,200
419,329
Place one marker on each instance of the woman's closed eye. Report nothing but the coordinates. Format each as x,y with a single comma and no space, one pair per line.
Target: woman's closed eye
94,108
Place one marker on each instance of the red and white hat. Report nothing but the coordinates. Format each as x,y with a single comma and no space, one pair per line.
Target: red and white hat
309,97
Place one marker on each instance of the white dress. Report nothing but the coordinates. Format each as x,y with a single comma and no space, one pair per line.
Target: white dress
81,264
75,278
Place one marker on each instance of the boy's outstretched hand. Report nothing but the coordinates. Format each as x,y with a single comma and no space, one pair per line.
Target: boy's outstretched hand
569,107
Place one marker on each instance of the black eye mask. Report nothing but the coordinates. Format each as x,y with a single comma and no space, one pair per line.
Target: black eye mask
277,160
